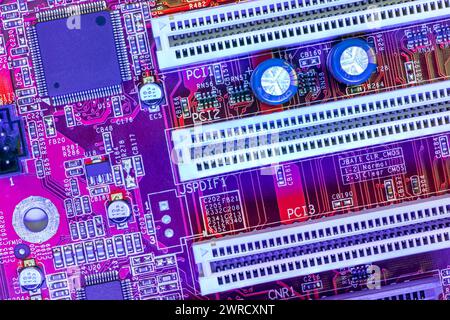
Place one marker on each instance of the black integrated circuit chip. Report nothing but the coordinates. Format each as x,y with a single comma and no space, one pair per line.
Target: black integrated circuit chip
104,291
105,286
81,59
98,171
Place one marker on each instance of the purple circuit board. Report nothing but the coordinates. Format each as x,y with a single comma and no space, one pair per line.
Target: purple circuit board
266,149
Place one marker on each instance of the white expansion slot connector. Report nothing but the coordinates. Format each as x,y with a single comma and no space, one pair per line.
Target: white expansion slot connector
423,289
252,142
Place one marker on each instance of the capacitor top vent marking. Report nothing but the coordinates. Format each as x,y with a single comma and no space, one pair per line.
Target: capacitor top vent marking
352,61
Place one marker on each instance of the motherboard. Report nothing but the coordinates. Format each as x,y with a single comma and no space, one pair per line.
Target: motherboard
224,150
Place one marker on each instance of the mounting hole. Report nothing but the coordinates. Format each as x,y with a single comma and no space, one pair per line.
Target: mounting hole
21,251
35,220
166,219
100,21
169,233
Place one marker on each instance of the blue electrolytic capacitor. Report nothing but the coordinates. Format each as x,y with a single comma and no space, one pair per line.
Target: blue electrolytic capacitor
274,81
352,61
31,278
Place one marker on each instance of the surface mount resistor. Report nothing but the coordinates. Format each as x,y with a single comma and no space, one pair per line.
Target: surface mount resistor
218,74
9,7
23,6
311,286
10,24
149,223
74,189
415,185
90,228
68,206
142,42
73,164
68,255
101,251
99,190
389,188
32,130
129,244
90,251
280,176
147,282
19,51
20,62
26,77
82,230
117,107
2,46
74,232
443,143
133,45
26,92
57,258
138,165
118,177
58,285
119,246
128,169
171,277
137,240
149,291
110,248
146,11
57,277
74,172
40,171
137,67
108,142
185,107
142,270
87,208
35,149
131,7
70,116
79,254
78,206
26,101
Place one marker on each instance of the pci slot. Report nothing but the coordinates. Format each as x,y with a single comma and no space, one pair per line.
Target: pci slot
243,28
423,289
252,142
316,246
